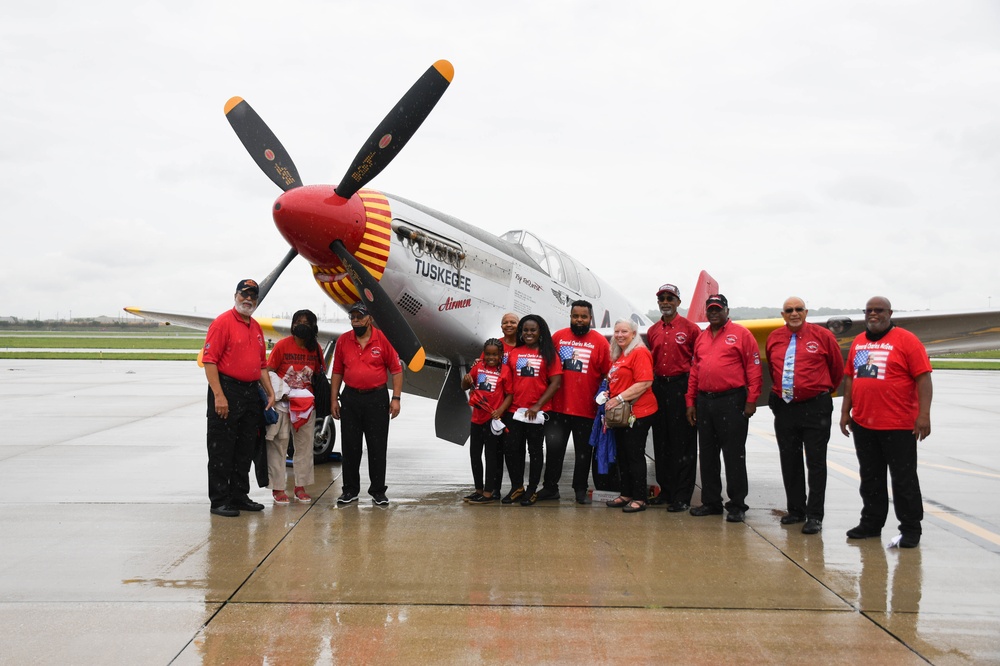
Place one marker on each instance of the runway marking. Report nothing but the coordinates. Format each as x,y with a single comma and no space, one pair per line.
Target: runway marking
961,470
971,528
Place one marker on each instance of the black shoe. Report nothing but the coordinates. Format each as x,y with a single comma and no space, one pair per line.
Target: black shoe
469,498
863,532
909,540
512,496
548,494
247,504
677,507
706,510
347,498
529,498
792,518
736,516
656,501
812,526
380,499
582,497
483,499
225,510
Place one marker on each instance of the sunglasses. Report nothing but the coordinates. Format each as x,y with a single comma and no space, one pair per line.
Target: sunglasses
666,297
356,316
791,310
874,310
248,295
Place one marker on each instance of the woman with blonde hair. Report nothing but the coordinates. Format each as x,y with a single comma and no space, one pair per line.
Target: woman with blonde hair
631,380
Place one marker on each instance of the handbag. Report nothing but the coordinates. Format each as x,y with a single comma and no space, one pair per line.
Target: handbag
321,392
618,414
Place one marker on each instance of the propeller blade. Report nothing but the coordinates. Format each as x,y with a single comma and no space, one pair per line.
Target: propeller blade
268,282
388,316
262,144
397,128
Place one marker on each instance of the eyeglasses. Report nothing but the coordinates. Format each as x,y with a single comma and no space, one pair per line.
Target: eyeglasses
874,310
791,310
666,297
248,295
356,316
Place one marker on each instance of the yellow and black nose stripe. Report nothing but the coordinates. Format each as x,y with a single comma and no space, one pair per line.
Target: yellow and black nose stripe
373,253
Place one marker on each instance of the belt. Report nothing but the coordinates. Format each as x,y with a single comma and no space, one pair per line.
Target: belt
720,394
233,380
672,378
364,391
815,397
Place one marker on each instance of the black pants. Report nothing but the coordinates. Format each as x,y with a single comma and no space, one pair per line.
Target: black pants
802,426
520,435
364,415
675,441
895,450
231,441
557,431
722,428
481,437
630,444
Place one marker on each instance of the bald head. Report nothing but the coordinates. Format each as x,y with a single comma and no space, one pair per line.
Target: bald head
794,312
878,314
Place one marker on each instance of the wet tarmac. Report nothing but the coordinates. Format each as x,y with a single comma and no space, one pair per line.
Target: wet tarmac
108,552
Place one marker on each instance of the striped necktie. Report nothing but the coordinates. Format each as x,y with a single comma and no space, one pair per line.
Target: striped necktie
788,373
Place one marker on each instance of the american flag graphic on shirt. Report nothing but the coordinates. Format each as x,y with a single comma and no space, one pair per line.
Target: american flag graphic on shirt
870,363
574,359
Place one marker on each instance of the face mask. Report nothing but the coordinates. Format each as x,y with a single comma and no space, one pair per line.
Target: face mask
579,330
360,330
302,331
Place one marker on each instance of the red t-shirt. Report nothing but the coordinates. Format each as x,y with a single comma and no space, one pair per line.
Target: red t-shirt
294,364
530,376
489,386
818,361
236,347
636,366
365,369
883,380
724,361
672,346
585,362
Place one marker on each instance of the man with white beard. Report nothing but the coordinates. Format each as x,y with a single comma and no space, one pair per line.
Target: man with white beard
236,365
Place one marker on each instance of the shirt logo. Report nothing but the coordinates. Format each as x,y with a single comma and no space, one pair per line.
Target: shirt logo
812,347
376,351
681,338
730,339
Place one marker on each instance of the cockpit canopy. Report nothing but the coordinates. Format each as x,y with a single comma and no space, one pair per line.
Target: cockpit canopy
560,266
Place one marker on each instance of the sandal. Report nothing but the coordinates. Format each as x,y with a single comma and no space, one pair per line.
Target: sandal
618,502
635,506
279,497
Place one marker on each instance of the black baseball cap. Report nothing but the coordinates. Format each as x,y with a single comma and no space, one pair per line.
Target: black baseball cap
716,300
247,284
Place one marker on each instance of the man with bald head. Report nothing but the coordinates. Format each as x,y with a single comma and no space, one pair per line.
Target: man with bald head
806,367
887,406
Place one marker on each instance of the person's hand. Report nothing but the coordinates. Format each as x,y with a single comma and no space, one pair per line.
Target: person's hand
335,409
750,409
922,428
846,424
222,406
393,409
691,416
270,402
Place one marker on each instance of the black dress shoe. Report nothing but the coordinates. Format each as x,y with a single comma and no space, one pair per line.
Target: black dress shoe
225,510
736,516
677,507
656,501
582,497
792,518
247,504
706,510
863,532
812,526
909,540
548,494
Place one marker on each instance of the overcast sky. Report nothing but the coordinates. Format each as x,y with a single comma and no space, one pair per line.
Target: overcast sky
832,150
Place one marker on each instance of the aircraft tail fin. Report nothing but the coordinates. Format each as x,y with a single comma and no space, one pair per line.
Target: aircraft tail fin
705,287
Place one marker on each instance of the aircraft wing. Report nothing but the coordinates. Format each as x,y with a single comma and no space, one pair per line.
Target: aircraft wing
274,329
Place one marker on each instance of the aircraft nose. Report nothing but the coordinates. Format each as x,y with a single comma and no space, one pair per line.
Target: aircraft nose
313,216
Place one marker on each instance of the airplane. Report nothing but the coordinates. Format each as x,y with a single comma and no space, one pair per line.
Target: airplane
438,286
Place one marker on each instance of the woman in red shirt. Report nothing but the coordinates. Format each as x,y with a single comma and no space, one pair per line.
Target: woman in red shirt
631,380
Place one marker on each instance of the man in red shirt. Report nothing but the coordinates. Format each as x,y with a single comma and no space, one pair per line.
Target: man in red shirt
722,395
585,356
806,367
235,366
361,360
887,405
675,441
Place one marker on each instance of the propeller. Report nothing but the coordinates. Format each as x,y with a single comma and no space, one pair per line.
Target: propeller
385,142
397,127
388,316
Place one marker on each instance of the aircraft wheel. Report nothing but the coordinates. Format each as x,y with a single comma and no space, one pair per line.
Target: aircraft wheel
322,444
